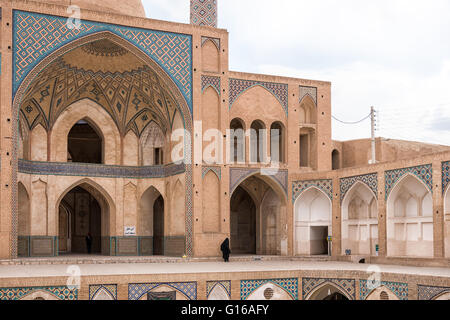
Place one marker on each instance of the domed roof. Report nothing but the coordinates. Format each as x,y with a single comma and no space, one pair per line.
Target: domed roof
128,7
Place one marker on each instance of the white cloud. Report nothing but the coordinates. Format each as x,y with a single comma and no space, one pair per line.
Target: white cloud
393,54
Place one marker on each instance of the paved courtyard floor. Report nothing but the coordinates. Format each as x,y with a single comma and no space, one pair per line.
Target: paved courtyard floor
120,268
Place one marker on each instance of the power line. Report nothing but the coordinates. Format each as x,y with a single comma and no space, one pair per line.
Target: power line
350,123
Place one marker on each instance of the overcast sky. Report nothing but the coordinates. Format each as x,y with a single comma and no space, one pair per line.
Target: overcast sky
392,54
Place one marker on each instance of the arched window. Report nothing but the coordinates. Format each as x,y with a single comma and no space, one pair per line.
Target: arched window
308,111
277,142
85,144
258,142
237,147
336,161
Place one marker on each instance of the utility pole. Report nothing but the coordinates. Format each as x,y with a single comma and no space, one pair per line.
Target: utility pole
372,121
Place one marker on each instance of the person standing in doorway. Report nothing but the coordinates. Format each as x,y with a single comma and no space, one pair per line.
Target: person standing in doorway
89,243
225,248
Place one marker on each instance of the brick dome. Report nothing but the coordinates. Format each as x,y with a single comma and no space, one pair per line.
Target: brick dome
128,7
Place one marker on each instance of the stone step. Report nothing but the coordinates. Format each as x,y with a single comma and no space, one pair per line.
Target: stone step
78,260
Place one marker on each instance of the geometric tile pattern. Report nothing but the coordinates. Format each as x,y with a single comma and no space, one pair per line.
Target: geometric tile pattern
424,173
308,91
238,175
430,293
38,35
299,186
279,90
399,289
210,285
216,170
133,98
204,13
289,285
210,81
347,285
63,293
136,291
445,176
97,170
109,289
216,41
371,180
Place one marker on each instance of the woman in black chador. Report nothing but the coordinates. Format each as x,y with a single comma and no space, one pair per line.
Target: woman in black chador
225,248
89,243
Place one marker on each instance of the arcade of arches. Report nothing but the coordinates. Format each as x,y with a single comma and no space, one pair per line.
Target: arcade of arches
95,155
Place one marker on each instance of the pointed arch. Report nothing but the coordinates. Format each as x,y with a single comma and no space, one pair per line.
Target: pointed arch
308,110
326,289
178,216
146,210
359,228
38,144
153,145
442,296
277,142
183,106
218,292
24,211
409,222
103,294
312,222
277,292
210,57
40,294
263,93
382,293
211,203
97,117
107,207
243,206
237,141
258,142
269,179
131,149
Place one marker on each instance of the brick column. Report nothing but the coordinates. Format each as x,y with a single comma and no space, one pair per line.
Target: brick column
382,215
438,211
8,183
336,219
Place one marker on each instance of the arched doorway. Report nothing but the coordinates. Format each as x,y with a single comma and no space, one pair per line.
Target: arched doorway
410,219
83,209
152,219
85,144
80,214
312,223
258,218
243,223
360,221
328,292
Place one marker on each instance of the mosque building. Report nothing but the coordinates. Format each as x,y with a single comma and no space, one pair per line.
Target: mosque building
136,132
